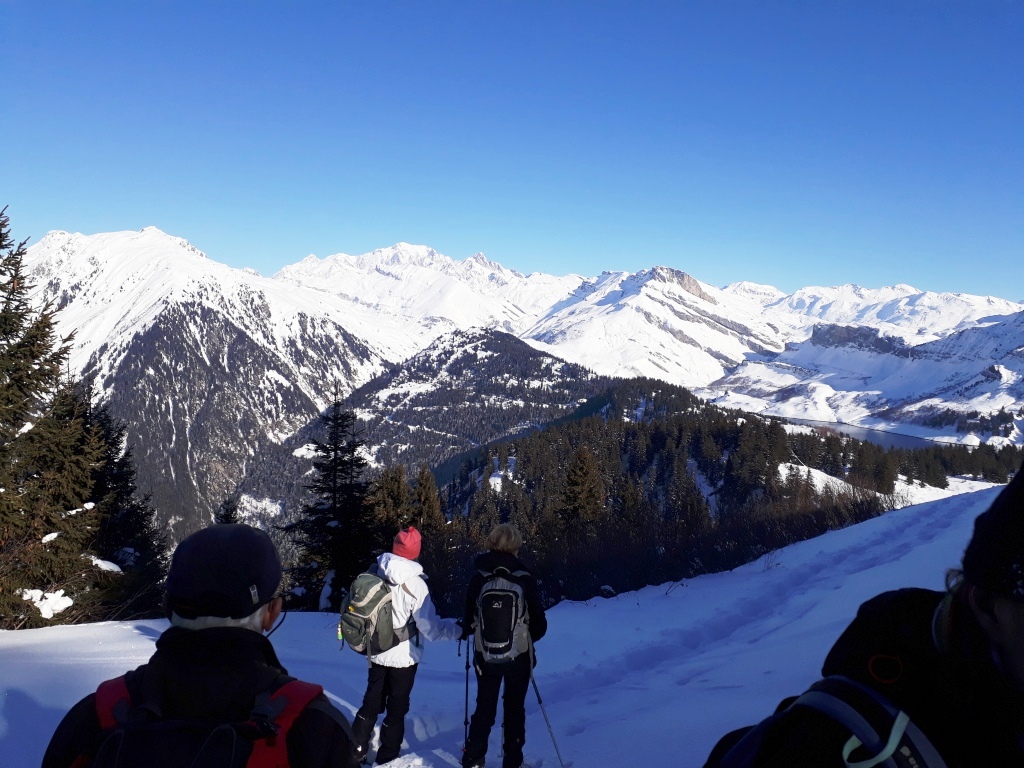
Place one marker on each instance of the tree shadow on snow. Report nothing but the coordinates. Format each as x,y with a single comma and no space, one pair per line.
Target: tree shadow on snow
29,726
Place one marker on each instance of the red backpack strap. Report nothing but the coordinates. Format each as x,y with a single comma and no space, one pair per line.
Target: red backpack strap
281,708
113,701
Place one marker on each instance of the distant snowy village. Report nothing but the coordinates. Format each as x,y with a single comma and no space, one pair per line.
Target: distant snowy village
708,480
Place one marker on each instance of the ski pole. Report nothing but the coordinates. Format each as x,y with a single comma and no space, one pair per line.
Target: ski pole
465,721
544,712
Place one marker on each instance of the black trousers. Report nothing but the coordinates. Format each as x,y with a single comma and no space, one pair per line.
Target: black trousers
387,690
489,678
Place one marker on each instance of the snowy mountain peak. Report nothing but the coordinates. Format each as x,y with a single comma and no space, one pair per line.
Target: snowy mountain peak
85,252
684,281
399,253
762,294
847,294
429,293
478,259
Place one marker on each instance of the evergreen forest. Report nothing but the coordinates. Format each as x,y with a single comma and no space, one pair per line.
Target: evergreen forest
645,484
652,485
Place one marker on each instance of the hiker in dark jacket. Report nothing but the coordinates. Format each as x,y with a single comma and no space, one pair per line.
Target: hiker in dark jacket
953,661
214,660
504,543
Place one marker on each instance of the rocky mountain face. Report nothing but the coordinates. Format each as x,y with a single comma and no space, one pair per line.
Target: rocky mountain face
466,390
219,372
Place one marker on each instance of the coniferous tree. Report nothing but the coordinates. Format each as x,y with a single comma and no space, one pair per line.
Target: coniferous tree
445,547
129,535
57,457
49,451
389,498
483,514
685,506
426,504
333,531
227,512
583,501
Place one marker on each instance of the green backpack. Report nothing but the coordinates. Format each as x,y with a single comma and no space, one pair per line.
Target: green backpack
367,620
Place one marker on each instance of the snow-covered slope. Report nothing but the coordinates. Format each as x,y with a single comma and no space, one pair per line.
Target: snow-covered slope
660,323
651,678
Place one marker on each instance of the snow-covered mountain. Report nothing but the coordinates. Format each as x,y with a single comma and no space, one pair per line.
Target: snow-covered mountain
857,376
660,323
431,293
211,366
901,311
466,389
208,365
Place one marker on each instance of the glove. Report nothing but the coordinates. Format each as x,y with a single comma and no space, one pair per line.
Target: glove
466,631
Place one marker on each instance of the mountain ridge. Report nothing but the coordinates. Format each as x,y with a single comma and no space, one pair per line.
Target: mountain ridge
170,336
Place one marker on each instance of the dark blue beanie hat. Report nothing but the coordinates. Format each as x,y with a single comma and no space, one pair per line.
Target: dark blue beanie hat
225,570
994,559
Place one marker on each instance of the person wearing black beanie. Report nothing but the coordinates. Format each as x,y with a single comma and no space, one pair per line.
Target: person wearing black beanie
993,577
938,676
213,666
994,558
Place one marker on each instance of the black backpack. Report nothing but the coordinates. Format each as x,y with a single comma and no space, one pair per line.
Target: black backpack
881,734
136,737
501,628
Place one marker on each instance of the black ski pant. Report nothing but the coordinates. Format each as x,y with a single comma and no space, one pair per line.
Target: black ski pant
387,690
489,678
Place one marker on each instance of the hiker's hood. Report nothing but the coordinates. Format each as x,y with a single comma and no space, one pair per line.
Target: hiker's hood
491,560
397,569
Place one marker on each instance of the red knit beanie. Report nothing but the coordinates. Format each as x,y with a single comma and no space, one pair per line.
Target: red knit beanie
407,543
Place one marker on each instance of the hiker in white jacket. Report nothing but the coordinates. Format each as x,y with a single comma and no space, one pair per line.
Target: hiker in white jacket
393,672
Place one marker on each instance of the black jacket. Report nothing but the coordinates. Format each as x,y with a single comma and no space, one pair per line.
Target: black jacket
211,674
485,564
923,651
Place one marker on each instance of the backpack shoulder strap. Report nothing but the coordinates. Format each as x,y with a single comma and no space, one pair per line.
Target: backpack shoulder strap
884,731
328,709
742,748
503,572
113,702
276,712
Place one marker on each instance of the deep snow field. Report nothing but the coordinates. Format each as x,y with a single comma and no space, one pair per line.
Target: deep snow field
648,678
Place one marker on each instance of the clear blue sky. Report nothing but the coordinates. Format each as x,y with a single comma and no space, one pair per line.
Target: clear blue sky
789,143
